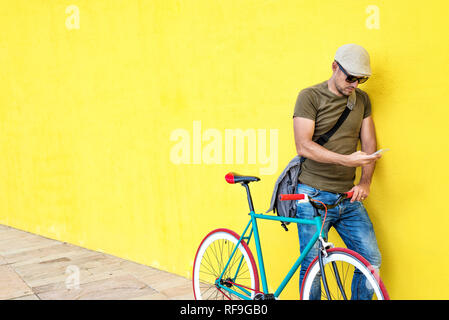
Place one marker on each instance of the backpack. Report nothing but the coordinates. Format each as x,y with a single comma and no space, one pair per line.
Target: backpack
286,184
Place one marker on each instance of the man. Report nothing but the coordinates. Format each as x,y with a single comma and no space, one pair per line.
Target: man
329,170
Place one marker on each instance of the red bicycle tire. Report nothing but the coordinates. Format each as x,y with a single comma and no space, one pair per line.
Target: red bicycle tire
246,248
358,257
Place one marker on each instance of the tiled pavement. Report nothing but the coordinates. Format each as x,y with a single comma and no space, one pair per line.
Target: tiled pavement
33,267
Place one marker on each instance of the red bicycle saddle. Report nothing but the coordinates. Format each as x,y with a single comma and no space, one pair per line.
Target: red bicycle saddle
233,177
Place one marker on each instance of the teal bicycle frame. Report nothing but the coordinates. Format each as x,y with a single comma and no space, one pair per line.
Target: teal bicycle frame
253,223
244,292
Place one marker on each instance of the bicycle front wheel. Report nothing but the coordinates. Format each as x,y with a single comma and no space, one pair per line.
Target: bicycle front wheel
340,266
213,254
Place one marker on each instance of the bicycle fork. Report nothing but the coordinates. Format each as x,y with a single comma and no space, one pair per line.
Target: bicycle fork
322,254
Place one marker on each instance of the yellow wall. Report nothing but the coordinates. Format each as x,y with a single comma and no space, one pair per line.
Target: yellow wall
95,113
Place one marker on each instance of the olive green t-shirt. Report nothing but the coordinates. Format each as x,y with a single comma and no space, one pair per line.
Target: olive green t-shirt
318,103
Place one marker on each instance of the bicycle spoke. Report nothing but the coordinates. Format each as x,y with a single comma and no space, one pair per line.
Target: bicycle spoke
221,252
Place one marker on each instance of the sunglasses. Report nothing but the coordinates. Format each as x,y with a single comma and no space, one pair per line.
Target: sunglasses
350,78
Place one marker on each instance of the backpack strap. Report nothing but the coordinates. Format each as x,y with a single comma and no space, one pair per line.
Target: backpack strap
325,137
349,106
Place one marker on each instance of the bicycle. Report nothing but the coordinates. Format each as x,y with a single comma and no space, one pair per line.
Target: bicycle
225,268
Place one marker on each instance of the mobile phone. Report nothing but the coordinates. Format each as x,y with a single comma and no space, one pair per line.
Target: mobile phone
380,151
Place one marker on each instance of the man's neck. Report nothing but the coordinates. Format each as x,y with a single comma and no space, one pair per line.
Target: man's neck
332,88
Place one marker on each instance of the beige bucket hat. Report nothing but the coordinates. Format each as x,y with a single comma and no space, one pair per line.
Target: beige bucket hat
354,59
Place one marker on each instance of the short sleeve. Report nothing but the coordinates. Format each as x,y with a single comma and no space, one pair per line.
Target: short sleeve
305,106
367,105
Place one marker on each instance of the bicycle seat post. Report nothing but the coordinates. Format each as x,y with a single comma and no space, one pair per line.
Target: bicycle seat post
248,193
232,178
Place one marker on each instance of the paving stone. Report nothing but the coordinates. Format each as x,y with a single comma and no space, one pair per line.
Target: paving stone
116,288
28,297
12,286
33,267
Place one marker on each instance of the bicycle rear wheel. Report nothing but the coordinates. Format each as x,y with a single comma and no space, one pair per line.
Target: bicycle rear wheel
342,262
211,258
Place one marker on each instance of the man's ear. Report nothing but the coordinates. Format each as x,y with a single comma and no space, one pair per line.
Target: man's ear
334,66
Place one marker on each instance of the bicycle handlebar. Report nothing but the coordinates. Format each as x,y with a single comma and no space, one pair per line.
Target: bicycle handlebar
301,196
298,196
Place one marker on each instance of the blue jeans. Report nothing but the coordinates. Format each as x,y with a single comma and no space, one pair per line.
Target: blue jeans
354,227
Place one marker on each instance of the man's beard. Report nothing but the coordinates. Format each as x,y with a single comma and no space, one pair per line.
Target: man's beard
340,89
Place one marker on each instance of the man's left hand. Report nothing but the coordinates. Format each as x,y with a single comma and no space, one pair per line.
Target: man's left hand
361,192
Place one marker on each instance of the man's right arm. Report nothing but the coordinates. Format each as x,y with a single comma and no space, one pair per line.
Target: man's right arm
305,147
